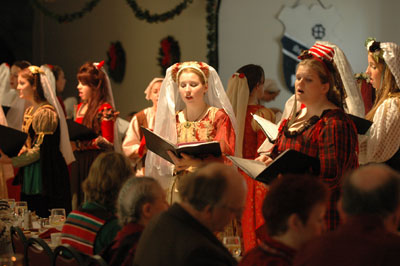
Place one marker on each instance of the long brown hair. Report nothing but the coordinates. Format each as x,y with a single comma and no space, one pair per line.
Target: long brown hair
388,86
335,93
90,76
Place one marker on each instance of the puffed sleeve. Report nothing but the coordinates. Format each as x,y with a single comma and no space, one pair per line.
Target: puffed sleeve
337,150
266,114
131,143
107,120
225,133
382,141
44,122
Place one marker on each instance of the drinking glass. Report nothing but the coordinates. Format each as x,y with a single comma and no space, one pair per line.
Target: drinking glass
57,218
232,243
20,208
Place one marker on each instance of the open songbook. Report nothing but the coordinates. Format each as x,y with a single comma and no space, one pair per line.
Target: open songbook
270,129
160,146
289,161
11,140
78,131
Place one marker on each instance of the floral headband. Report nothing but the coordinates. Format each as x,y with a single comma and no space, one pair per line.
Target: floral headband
35,70
199,66
374,48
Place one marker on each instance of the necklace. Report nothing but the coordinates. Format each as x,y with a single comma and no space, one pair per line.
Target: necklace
201,114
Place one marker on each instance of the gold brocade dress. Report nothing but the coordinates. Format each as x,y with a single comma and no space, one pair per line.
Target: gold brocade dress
215,125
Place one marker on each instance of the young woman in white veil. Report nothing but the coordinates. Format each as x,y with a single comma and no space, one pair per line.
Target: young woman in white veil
192,107
382,143
43,160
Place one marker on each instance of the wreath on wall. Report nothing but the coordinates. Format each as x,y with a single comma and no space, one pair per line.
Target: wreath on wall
116,61
169,53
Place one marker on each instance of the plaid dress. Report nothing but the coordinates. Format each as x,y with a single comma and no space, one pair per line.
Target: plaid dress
333,139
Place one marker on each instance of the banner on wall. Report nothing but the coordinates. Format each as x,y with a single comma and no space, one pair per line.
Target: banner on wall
303,27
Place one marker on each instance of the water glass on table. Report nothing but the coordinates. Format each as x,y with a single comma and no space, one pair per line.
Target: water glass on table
57,218
20,208
232,243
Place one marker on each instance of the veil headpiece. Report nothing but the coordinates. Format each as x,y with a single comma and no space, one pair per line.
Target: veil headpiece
147,91
389,52
117,142
50,95
238,93
170,102
336,63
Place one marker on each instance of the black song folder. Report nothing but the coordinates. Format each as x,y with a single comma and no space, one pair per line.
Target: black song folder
78,131
289,161
160,146
11,140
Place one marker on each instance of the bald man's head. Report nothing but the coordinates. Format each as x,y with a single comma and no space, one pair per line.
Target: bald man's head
210,184
371,190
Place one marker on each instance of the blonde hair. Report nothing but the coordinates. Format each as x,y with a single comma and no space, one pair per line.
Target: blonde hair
388,86
192,70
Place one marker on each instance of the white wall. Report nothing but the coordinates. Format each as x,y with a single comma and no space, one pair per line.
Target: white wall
250,33
88,39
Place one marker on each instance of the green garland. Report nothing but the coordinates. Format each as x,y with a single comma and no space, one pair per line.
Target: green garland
212,9
66,17
145,14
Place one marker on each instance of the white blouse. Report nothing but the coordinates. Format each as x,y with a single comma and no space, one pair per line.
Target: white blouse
383,138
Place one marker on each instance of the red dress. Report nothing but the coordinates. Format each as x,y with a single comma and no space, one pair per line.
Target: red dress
89,150
253,137
332,138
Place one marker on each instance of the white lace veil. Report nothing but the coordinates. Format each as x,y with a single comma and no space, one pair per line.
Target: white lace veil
50,95
391,55
354,101
50,76
169,102
117,141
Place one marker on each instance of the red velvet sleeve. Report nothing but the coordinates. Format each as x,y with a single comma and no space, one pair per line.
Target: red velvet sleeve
107,121
224,132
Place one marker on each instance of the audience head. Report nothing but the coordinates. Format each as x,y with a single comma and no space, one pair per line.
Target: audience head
216,193
29,84
15,69
106,176
383,70
371,190
139,199
295,204
153,89
60,78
